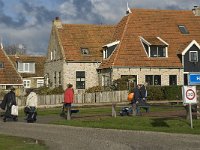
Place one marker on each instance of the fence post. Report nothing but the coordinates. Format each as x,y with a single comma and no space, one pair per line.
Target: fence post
68,113
114,114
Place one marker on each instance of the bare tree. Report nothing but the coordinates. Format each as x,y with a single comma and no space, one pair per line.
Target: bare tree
13,49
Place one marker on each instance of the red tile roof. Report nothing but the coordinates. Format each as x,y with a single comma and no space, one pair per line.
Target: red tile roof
152,23
8,74
74,37
39,64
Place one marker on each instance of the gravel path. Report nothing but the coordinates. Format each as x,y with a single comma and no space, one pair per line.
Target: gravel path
59,137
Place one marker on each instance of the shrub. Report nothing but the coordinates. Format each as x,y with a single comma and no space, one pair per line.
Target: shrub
172,92
2,93
164,92
154,93
97,89
49,91
57,90
122,84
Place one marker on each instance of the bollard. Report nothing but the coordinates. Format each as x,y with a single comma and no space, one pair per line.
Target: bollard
114,114
68,113
134,113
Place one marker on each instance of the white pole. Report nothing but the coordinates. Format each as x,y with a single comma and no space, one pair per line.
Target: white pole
190,111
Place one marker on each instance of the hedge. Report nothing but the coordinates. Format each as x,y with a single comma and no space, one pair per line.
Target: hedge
164,92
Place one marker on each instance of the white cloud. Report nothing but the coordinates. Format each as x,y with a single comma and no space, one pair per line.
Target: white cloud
68,9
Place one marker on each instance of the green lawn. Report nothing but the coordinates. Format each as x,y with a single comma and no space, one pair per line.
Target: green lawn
100,117
18,143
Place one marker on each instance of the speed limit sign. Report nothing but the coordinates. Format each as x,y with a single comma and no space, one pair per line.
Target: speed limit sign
189,94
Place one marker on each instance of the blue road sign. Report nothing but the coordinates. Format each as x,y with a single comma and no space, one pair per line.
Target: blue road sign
194,79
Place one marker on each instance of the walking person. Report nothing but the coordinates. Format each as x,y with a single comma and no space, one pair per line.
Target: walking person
31,105
143,91
8,101
136,98
68,97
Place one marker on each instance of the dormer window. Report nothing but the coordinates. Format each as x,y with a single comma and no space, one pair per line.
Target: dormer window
155,46
193,56
85,51
157,51
183,29
109,49
1,65
26,67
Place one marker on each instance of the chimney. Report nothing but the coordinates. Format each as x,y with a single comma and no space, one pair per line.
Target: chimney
57,22
196,10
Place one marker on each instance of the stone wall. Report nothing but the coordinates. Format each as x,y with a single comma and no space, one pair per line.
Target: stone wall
91,75
141,72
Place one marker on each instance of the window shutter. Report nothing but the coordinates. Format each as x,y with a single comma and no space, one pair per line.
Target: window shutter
20,67
32,67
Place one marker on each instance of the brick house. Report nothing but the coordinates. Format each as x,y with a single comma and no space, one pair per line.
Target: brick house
31,68
8,75
160,47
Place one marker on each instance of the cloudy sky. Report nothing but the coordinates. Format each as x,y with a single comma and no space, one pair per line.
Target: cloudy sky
28,22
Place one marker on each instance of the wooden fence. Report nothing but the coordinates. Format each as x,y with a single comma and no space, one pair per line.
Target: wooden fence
81,98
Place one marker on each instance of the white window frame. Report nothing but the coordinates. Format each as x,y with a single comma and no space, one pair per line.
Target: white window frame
40,82
157,51
26,68
190,58
51,56
105,53
27,83
142,40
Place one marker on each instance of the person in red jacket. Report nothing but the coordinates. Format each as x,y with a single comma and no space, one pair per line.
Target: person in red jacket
69,96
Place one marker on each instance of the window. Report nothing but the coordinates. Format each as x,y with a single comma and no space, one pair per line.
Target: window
105,80
157,51
153,79
80,79
172,79
84,51
26,67
54,54
51,55
55,79
193,56
40,83
27,83
183,29
1,65
59,78
109,49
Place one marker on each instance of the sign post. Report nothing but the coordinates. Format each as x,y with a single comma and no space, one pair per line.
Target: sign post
190,97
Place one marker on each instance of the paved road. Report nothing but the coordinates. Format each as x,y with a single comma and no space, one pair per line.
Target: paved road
59,137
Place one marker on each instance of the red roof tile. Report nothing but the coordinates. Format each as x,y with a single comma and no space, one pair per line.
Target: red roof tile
153,23
74,37
8,74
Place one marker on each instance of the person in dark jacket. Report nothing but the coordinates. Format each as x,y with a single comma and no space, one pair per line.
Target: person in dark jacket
143,92
137,94
136,98
8,101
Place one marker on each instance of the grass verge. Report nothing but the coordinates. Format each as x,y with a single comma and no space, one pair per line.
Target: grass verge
18,143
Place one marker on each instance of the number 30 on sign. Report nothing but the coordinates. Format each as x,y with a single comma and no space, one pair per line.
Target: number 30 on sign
189,95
